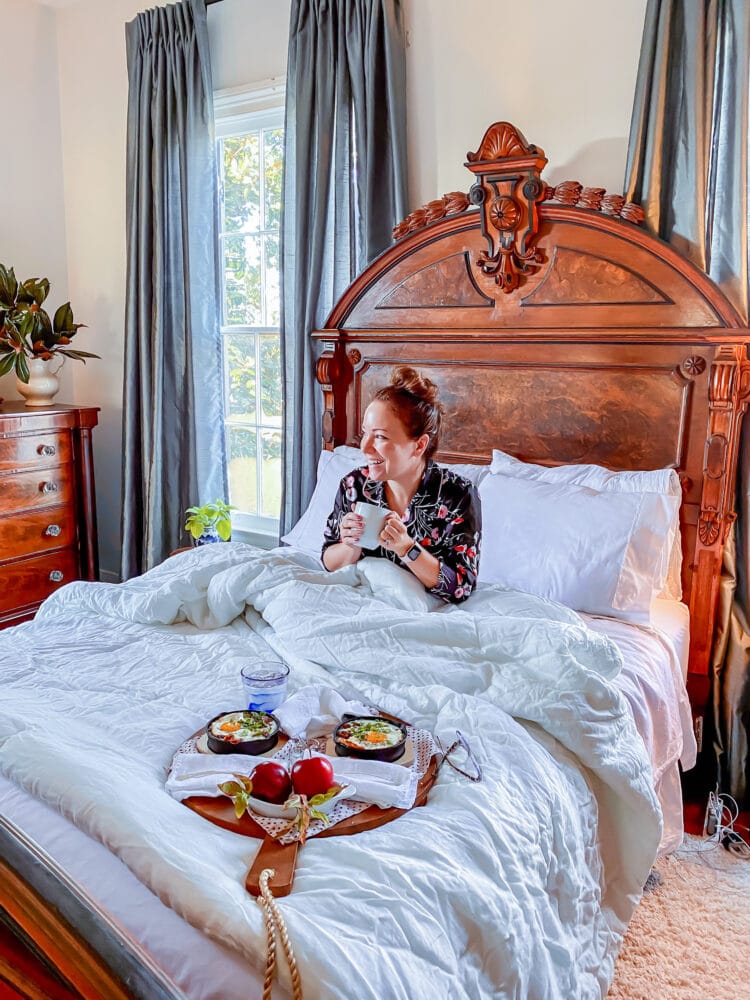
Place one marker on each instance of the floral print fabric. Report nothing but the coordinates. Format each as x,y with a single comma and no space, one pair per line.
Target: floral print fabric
444,516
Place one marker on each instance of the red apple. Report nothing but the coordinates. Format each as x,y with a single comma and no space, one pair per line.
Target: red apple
312,776
271,782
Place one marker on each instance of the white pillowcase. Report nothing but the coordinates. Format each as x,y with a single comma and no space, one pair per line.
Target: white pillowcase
600,552
307,533
665,482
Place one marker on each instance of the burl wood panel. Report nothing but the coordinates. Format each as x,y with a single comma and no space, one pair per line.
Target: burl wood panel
446,283
618,417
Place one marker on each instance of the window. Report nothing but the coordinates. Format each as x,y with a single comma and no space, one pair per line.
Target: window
250,144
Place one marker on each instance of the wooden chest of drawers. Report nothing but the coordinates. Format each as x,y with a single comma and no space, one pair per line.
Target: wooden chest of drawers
47,504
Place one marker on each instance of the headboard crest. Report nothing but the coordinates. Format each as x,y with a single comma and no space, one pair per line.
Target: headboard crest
508,189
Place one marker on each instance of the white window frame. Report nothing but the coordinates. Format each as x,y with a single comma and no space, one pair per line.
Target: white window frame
236,111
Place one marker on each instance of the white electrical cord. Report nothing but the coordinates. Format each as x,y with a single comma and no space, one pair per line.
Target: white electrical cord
722,813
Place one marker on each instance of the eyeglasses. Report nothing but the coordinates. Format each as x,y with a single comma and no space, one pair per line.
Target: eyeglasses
460,743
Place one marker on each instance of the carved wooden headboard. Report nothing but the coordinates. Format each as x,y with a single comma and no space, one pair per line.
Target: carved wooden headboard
561,332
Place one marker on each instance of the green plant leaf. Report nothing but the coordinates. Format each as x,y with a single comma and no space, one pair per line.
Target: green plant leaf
37,288
231,788
8,287
7,363
22,368
63,321
318,800
78,355
224,530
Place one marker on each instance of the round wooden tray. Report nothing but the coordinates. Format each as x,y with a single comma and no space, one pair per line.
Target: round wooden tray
283,857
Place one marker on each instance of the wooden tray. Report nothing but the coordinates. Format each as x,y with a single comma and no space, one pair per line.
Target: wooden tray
283,857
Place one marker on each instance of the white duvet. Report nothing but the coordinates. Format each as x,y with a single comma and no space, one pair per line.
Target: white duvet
519,886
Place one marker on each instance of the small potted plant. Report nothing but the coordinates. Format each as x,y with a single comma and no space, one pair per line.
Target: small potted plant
29,339
210,523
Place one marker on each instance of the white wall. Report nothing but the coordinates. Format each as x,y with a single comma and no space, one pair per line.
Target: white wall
32,211
561,70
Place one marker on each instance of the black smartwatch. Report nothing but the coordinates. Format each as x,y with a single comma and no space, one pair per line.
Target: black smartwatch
413,552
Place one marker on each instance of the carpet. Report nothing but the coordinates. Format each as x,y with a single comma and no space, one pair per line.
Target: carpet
689,939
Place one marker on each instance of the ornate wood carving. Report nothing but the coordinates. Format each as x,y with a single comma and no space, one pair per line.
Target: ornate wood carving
450,204
729,394
693,366
573,193
507,189
354,356
326,372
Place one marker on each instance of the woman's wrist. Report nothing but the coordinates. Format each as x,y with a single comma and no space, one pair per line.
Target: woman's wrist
409,545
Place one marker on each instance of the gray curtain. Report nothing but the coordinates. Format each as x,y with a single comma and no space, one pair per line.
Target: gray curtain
344,190
173,444
688,168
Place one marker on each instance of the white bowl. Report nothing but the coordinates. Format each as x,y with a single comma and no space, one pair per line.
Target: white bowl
273,811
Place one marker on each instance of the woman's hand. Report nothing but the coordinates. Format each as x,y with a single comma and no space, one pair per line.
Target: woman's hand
394,537
350,529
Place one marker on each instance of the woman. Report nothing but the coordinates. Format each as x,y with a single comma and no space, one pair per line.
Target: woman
435,524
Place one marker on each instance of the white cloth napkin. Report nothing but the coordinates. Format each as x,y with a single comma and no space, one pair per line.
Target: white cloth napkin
314,710
201,774
376,782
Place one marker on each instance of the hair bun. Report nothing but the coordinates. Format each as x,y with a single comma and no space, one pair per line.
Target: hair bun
409,380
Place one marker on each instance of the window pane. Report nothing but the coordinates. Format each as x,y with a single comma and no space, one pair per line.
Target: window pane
271,474
242,447
270,379
273,153
273,317
242,183
239,359
242,281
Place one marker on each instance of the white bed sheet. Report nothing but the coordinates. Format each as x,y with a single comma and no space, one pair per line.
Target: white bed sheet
198,965
652,680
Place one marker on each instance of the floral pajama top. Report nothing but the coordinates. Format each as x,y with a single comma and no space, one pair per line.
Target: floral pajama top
444,516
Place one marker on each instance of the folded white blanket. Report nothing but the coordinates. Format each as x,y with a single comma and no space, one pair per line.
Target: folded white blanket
315,709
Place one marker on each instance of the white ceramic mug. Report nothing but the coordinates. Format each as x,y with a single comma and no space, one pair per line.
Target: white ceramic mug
373,518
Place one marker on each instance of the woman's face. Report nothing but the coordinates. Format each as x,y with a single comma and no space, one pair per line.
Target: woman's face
390,452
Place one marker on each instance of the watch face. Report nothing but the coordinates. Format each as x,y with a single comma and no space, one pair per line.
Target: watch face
413,552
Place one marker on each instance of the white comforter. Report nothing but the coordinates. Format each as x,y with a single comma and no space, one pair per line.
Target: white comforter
520,886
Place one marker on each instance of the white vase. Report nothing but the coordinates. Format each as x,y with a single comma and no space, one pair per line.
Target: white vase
43,384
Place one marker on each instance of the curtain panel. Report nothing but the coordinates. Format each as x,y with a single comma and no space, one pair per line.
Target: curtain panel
688,168
173,442
344,189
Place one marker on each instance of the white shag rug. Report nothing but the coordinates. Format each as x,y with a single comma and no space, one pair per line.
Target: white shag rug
689,939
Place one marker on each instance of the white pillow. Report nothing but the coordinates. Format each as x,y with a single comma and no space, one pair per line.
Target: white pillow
600,552
662,481
307,533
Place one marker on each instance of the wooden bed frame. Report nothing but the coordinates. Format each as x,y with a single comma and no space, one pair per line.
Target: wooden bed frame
560,332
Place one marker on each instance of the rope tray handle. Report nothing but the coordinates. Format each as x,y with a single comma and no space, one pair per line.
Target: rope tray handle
275,925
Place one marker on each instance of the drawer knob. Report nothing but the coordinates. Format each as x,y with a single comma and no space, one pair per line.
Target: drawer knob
46,449
49,487
53,530
56,575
